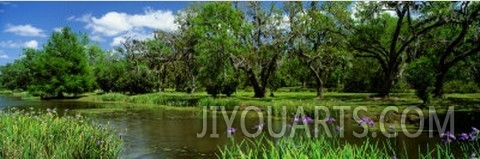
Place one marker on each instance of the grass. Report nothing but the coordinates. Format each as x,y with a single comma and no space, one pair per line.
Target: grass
30,134
321,146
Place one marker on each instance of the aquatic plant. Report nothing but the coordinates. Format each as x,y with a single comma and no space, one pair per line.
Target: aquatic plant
33,134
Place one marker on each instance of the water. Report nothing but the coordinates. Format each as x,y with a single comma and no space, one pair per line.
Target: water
172,133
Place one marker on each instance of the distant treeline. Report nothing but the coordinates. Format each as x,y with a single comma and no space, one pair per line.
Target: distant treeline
220,47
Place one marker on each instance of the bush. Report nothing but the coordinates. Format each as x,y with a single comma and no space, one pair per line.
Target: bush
458,86
229,87
6,92
421,75
113,97
35,135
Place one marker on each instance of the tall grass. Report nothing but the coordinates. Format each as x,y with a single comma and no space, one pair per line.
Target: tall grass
298,147
30,134
332,147
113,97
228,103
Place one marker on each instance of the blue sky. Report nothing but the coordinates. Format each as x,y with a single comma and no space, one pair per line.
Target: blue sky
29,24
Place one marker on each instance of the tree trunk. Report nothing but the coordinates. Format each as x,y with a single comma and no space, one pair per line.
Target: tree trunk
193,85
60,95
387,85
319,91
318,80
439,80
258,90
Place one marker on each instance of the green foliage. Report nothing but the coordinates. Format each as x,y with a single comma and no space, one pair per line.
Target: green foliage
459,86
61,67
33,134
113,97
362,76
421,75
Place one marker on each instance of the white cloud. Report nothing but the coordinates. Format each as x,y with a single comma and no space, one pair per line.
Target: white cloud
31,44
3,55
116,23
97,38
111,24
24,30
57,29
85,18
10,44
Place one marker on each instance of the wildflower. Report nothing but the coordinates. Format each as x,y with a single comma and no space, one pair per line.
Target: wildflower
330,120
448,137
394,157
392,128
231,130
296,119
259,126
474,155
307,120
472,136
338,128
464,136
475,130
99,142
365,120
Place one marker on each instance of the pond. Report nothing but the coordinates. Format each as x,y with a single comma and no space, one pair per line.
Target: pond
172,133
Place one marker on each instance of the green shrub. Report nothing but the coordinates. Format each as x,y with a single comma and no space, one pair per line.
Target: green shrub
36,135
421,75
458,86
113,97
6,92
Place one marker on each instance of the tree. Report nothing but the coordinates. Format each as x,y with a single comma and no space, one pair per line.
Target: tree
62,67
385,38
459,39
262,45
215,27
185,48
318,37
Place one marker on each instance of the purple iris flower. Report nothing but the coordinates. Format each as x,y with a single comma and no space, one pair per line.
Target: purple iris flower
448,137
231,130
475,130
366,120
464,137
307,120
330,120
472,136
296,119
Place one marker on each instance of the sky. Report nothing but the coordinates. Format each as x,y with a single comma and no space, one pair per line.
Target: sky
30,24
